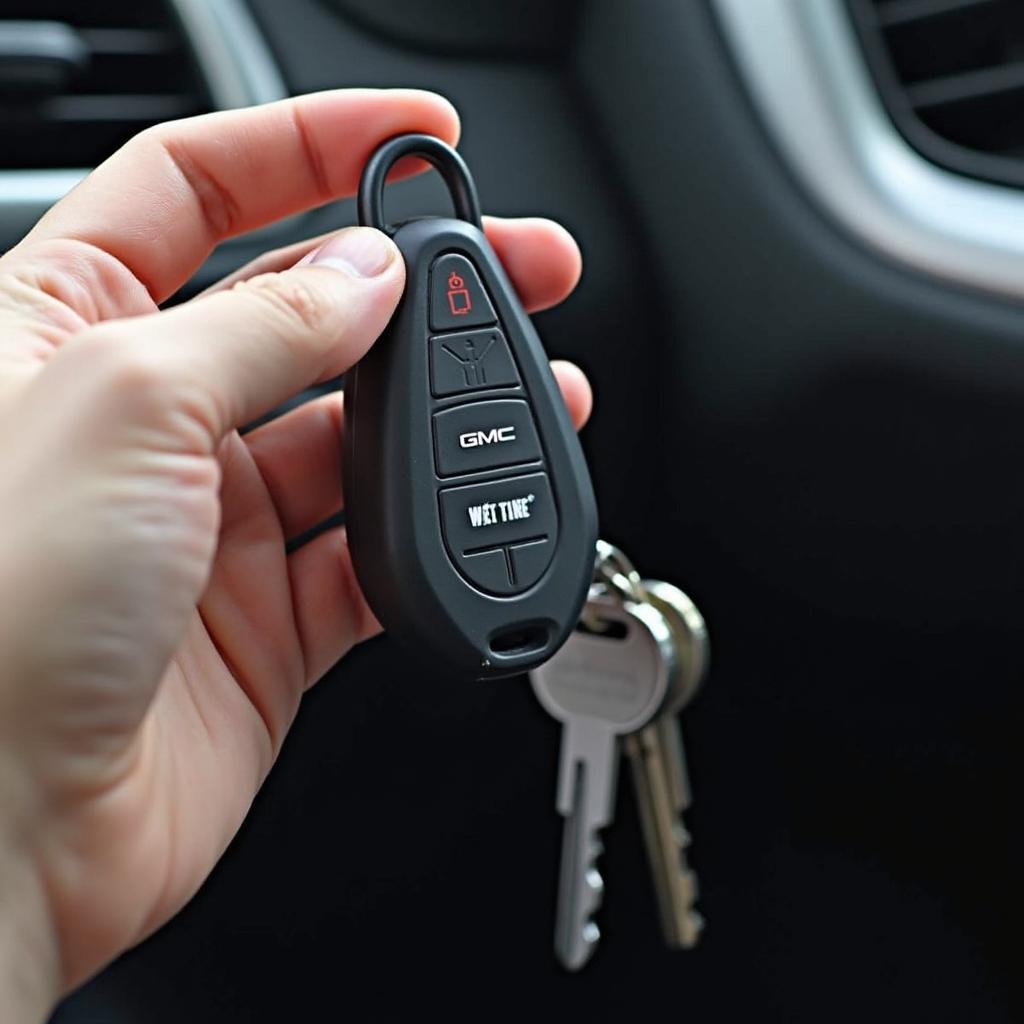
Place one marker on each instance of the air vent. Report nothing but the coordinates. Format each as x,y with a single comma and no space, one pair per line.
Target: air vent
79,79
951,73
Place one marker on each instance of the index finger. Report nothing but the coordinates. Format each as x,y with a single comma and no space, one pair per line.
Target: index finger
166,198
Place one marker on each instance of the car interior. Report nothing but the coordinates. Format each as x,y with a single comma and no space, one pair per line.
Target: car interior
802,313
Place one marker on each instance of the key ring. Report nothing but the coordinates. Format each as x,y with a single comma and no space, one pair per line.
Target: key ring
613,569
614,574
448,163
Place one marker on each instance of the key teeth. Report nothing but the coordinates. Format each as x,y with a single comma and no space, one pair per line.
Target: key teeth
590,932
579,956
683,837
595,886
578,935
691,937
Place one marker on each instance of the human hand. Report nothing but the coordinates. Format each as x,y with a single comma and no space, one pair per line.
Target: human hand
155,636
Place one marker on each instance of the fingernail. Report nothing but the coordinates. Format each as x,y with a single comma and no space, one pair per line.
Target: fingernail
361,252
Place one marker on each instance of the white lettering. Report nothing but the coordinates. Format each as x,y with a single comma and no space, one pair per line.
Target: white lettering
482,515
491,513
476,438
513,509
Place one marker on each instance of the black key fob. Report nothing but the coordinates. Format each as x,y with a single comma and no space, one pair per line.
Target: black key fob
470,514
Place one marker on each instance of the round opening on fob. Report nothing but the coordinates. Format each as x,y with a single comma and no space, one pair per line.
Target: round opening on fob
518,640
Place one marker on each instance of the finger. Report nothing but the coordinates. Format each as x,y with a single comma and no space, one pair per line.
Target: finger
331,613
50,292
540,257
166,198
579,398
299,454
299,458
272,262
200,369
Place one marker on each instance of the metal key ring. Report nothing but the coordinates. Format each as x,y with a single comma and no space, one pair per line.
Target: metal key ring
615,570
448,163
614,575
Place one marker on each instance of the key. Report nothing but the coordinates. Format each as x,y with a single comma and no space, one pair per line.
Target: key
693,649
607,681
470,515
658,763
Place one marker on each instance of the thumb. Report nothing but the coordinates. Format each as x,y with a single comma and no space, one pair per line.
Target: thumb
229,357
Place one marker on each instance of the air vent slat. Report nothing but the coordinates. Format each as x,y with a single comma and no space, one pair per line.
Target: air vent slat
951,73
138,70
969,85
902,12
106,41
122,107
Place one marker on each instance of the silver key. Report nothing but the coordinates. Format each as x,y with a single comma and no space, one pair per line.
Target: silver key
607,680
659,772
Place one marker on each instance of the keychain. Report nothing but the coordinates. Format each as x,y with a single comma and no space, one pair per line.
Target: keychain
470,514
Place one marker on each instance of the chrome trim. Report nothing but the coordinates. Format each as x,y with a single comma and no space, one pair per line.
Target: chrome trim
232,52
803,66
239,71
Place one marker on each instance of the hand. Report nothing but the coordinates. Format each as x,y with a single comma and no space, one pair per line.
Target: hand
155,637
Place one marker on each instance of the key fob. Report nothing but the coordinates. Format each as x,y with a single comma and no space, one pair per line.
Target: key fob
470,515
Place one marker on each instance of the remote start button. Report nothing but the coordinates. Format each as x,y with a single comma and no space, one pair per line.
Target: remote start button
457,298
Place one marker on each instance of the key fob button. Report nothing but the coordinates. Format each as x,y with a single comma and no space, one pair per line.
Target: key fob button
457,298
498,512
484,435
470,361
529,561
489,570
482,517
508,570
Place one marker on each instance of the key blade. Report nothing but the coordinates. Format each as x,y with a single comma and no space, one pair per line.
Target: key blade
591,747
587,782
580,885
677,778
609,679
666,840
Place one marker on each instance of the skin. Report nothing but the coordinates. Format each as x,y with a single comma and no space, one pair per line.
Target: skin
155,637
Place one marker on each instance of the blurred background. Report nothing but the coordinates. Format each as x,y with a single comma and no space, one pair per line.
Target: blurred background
803,231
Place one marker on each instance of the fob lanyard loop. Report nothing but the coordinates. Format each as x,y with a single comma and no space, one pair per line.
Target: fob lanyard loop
448,163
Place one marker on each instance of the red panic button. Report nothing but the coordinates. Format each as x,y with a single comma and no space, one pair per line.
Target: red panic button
457,296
